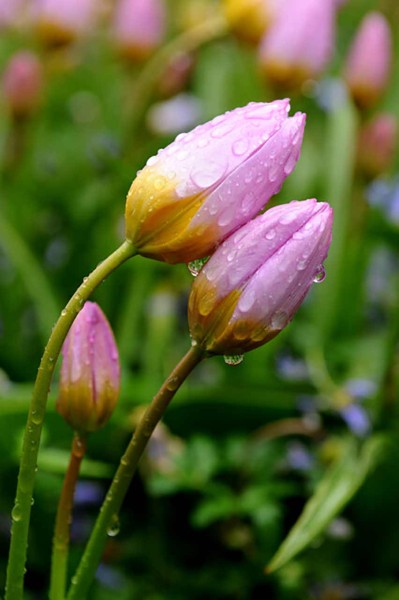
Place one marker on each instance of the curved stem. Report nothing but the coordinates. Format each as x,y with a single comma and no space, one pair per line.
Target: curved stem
186,42
59,563
30,448
124,474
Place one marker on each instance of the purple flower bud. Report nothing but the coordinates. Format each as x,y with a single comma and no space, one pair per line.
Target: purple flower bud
254,283
208,182
139,27
22,84
90,372
357,419
369,61
300,42
60,22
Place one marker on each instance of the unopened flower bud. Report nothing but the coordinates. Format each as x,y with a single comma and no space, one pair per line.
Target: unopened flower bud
208,182
299,44
90,371
377,144
139,27
368,65
22,84
252,286
60,22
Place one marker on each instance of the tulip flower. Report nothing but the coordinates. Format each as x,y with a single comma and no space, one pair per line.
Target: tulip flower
90,372
256,280
209,182
139,27
60,22
22,84
249,19
10,11
300,42
368,64
377,144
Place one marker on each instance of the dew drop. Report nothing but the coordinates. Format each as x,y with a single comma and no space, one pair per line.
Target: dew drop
279,320
173,383
114,526
16,513
271,234
195,266
36,417
63,313
233,359
320,275
240,147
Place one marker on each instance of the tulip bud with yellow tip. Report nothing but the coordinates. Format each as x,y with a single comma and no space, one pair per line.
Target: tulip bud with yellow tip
90,371
254,283
249,19
210,181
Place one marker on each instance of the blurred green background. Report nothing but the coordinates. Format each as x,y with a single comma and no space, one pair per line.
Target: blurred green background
242,448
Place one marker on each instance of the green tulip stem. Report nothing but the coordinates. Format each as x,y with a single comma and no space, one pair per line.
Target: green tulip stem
124,474
59,563
34,425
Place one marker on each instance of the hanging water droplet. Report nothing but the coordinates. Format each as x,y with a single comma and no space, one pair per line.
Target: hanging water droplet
114,526
16,513
195,266
320,275
233,359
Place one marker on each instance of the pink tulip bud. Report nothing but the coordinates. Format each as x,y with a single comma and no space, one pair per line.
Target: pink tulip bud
60,22
139,27
10,11
377,144
22,84
208,182
254,283
300,42
369,61
90,372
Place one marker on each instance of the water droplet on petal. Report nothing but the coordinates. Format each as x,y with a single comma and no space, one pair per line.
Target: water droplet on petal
240,147
233,359
279,320
114,526
270,234
320,275
195,266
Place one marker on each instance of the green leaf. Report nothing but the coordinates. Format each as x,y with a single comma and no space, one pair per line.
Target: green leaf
333,492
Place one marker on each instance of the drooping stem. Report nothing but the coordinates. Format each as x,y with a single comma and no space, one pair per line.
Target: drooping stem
59,563
30,448
127,467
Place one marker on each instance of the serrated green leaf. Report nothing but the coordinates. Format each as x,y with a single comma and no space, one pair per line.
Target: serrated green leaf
333,492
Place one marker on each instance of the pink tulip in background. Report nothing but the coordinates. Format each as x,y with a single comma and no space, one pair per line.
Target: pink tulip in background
210,181
10,11
22,84
368,64
377,144
139,27
60,22
300,43
90,371
254,283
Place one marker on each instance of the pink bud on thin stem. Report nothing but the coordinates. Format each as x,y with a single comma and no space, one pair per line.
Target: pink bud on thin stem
255,282
368,64
210,181
22,84
139,27
377,144
90,371
300,43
